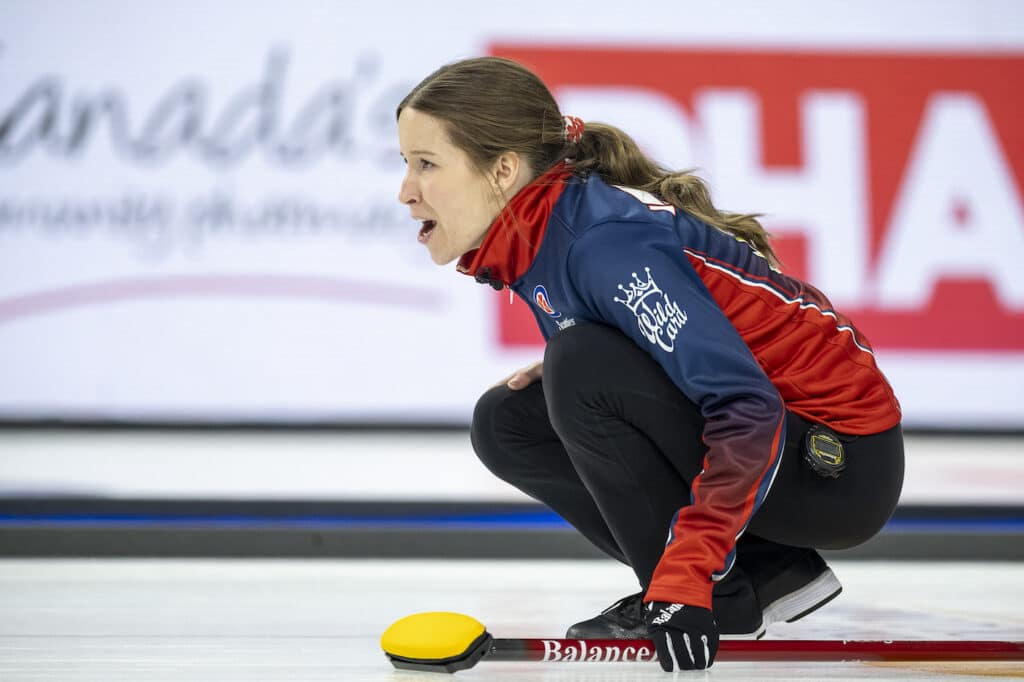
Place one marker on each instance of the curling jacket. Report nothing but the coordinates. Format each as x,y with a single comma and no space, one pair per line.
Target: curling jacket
740,339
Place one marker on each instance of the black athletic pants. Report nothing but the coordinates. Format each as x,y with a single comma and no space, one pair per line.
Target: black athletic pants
608,442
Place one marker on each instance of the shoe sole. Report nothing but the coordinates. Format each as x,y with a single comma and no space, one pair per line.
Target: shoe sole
807,599
756,634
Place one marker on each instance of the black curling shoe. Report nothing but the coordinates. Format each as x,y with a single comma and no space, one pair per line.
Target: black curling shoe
787,589
744,605
804,585
735,608
622,620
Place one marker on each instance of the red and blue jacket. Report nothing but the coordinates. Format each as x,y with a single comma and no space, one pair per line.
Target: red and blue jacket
740,339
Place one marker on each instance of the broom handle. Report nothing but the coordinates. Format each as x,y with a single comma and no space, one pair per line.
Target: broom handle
604,650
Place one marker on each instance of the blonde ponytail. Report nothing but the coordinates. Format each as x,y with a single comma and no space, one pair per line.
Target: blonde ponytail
615,156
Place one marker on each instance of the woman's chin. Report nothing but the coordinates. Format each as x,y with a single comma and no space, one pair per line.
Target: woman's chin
440,257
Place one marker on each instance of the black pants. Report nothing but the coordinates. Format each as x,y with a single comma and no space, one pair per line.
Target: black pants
610,443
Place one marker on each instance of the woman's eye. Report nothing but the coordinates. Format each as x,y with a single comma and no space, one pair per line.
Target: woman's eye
424,164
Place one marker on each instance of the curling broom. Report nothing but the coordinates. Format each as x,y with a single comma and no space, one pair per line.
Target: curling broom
448,642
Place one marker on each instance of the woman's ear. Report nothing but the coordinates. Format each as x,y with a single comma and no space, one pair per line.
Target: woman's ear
508,172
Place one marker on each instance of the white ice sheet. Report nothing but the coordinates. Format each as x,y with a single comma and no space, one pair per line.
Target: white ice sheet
154,620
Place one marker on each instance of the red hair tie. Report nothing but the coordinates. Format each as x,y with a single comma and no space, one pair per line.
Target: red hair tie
573,128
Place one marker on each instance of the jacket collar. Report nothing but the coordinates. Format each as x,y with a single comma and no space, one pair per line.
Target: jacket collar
515,236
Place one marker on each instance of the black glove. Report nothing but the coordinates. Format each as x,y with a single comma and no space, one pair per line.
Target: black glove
686,637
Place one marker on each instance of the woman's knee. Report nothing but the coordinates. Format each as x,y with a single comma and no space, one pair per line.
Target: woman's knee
505,424
482,430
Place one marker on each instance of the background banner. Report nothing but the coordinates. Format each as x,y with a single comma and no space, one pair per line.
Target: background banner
199,216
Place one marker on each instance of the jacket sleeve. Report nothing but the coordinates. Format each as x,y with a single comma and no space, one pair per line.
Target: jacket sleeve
638,279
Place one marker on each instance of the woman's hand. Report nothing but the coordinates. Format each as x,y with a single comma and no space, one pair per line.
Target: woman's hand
522,378
686,637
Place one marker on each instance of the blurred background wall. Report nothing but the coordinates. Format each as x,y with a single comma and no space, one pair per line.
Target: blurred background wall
199,225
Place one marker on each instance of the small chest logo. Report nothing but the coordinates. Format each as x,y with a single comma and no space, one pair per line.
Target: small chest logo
659,318
540,297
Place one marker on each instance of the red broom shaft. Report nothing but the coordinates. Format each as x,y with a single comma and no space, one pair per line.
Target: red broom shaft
845,650
605,650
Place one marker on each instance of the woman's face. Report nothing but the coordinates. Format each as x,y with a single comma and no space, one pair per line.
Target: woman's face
453,201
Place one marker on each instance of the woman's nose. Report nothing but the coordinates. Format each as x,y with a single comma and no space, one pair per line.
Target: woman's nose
407,193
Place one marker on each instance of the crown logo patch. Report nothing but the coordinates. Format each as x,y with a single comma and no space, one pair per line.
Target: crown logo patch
658,317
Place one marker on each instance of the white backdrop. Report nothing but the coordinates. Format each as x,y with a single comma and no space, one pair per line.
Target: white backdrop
198,217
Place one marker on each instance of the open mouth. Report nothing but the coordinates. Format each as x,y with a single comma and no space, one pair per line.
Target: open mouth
426,230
